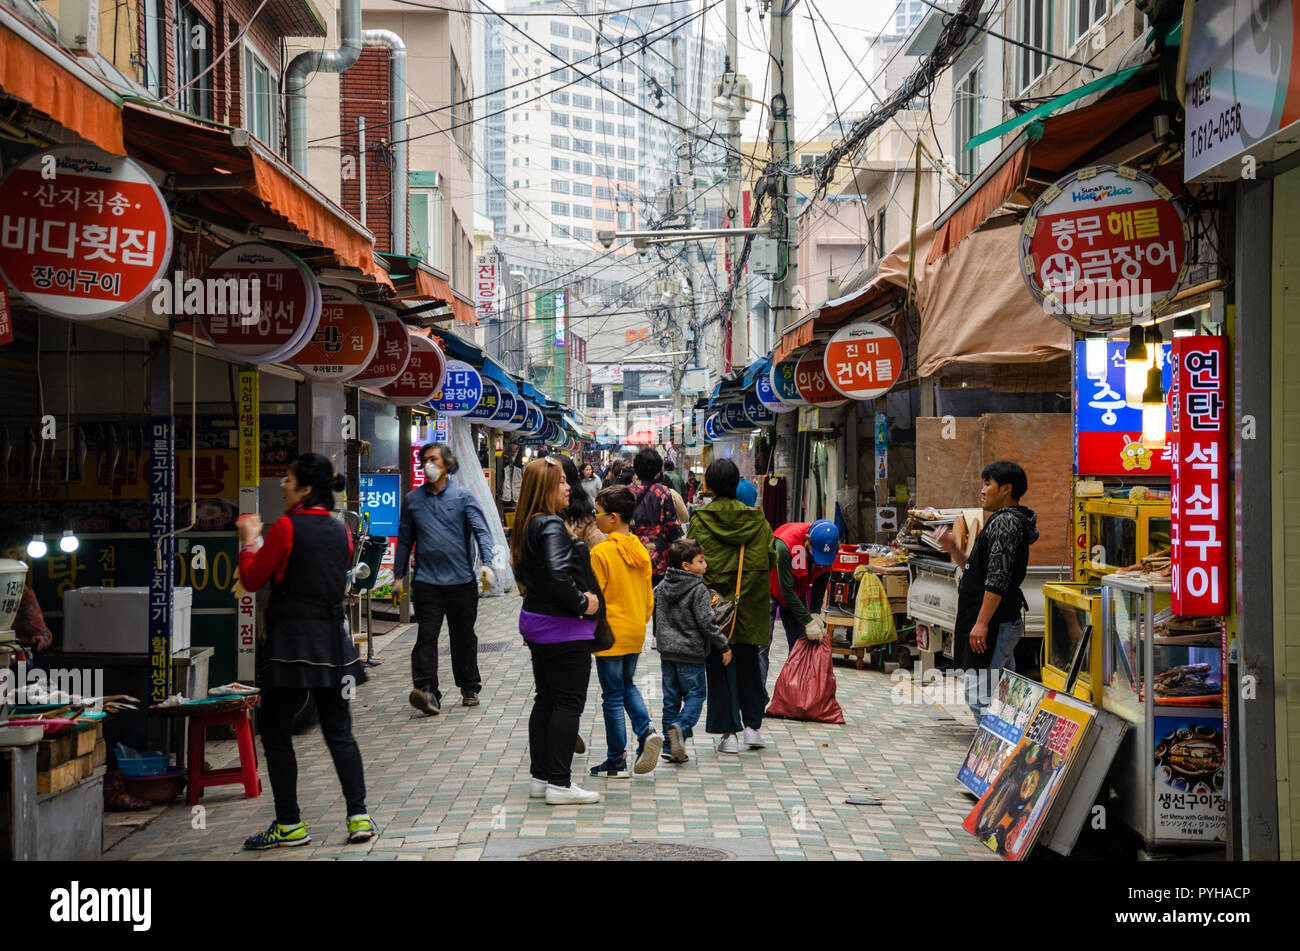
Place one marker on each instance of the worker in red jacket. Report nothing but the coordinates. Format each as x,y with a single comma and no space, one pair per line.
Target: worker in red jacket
804,554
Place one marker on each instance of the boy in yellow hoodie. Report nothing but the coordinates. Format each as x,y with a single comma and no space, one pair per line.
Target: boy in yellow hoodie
622,568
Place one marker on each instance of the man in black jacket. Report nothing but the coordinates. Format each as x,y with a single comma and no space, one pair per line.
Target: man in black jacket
989,603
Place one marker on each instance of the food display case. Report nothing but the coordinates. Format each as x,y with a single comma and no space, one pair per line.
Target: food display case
1072,637
1163,674
1121,532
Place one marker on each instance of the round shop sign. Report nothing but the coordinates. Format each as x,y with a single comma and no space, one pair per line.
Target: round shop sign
1104,244
711,428
345,340
766,394
503,418
488,403
534,422
83,234
288,304
734,414
461,390
422,377
391,353
756,412
781,376
520,416
863,360
720,423
551,432
814,385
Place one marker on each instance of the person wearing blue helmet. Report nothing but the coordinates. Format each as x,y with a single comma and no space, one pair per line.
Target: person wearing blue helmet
804,554
746,493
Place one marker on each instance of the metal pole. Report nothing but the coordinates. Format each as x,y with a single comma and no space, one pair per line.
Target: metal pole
740,296
788,205
361,149
686,169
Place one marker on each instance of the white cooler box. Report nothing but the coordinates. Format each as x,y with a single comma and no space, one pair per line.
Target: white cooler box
116,620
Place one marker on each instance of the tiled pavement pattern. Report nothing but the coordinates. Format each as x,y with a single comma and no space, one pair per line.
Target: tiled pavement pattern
455,786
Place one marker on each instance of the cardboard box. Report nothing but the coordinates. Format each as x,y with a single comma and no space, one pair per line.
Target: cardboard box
895,583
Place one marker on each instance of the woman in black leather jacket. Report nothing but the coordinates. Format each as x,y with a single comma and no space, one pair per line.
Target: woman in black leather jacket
558,622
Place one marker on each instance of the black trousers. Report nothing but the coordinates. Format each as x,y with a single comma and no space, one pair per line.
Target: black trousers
275,723
561,673
458,603
737,693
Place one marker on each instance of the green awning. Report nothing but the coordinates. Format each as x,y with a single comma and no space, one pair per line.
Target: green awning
1047,108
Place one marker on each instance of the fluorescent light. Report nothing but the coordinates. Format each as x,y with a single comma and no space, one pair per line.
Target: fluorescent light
1095,356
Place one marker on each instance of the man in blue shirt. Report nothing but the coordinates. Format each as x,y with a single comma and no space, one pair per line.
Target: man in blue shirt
440,518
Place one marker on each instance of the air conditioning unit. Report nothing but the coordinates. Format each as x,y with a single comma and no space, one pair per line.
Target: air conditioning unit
79,26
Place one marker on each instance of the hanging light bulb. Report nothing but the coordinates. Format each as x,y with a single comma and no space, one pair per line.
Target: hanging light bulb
36,548
1094,350
1153,412
69,542
1135,367
1155,347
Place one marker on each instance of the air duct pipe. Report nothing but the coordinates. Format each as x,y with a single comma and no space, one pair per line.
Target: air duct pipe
390,41
319,61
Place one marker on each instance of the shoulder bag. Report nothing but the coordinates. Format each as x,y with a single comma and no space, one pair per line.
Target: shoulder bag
726,610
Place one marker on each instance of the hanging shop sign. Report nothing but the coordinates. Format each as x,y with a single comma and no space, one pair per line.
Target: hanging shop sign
485,288
520,416
83,234
503,418
1243,88
813,383
782,378
737,421
422,377
345,340
721,425
381,496
488,403
460,391
711,433
755,410
534,421
1102,244
1199,483
1109,431
767,395
6,319
392,353
863,360
288,304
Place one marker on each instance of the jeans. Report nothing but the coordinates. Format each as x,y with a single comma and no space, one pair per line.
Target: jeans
275,723
684,692
561,673
458,603
737,693
618,692
980,684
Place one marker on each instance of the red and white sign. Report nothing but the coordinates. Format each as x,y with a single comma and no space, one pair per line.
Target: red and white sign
83,234
863,360
6,319
1102,244
417,468
423,376
1199,503
289,304
345,340
392,353
485,288
812,382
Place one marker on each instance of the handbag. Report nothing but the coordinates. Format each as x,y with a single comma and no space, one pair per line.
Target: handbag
725,611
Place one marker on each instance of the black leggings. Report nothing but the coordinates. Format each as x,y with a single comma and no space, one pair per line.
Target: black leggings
561,672
275,723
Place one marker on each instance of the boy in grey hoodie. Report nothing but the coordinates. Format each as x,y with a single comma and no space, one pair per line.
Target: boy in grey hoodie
686,631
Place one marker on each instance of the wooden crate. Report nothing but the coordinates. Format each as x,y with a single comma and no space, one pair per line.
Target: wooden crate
100,756
68,774
55,751
84,740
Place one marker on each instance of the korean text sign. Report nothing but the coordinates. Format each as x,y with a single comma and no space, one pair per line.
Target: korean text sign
1109,430
863,360
485,287
1200,478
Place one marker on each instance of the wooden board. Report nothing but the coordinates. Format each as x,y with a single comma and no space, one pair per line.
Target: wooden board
84,740
54,751
60,777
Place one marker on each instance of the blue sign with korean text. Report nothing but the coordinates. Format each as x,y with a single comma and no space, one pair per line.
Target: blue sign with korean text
505,408
380,499
488,404
162,515
756,412
461,390
1109,430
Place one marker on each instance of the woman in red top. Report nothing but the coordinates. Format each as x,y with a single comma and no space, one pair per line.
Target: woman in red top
305,557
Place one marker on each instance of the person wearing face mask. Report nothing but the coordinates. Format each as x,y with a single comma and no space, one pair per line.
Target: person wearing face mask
443,521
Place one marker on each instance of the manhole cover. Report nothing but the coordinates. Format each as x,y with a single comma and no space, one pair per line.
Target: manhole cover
630,851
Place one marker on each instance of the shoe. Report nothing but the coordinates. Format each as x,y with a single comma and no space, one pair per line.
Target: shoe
727,744
361,828
611,769
424,701
647,753
754,739
579,747
536,788
570,795
676,745
469,699
277,835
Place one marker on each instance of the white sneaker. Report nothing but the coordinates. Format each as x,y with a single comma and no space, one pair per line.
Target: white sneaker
754,739
536,788
727,744
570,795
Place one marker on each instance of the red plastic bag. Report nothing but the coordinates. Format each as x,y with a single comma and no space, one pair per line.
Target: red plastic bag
805,690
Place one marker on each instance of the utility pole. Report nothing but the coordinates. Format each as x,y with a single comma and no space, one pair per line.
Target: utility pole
786,204
686,174
740,294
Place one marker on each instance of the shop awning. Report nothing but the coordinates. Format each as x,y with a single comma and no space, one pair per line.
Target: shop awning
835,313
463,311
38,71
270,193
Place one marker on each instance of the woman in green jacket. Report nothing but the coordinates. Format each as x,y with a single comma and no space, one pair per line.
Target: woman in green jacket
737,693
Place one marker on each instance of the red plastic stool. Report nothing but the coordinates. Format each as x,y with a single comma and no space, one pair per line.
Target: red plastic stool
245,773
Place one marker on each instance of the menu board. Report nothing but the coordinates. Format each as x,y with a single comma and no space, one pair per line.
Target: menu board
1003,726
1010,814
1189,777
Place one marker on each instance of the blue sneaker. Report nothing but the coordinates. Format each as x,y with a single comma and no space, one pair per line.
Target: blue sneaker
611,769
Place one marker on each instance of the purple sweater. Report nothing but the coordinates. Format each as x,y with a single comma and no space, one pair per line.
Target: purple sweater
552,629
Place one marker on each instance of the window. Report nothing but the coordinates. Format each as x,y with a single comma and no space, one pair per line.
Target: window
261,99
559,141
515,163
604,193
626,132
581,102
516,140
581,35
155,47
604,171
582,123
559,28
604,128
880,234
1084,15
193,57
582,234
604,214
560,186
809,159
559,118
627,153
582,145
582,211
581,168
624,219
559,231
560,98
559,164
626,175
560,208
966,110
582,189
560,75
516,229
560,52
456,252
427,236
1033,31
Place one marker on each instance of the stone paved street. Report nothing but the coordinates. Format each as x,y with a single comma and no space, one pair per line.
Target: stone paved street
455,786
